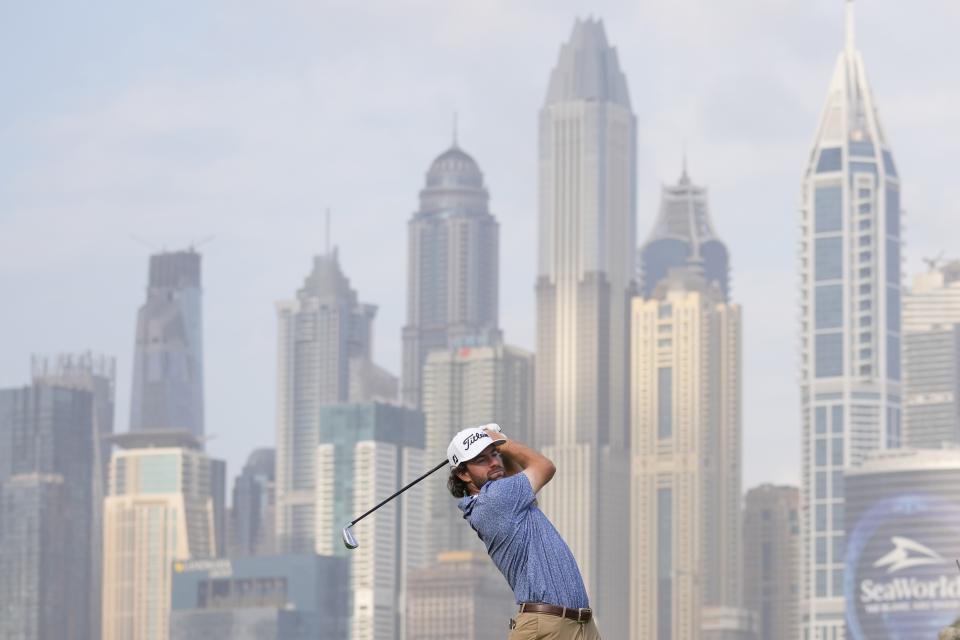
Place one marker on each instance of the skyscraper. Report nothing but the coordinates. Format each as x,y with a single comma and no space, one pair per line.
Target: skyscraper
771,542
366,452
49,477
850,317
34,536
254,505
160,508
168,354
96,375
464,387
683,233
931,358
685,485
325,347
587,231
452,268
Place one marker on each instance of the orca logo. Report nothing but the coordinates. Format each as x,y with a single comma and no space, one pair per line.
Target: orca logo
908,553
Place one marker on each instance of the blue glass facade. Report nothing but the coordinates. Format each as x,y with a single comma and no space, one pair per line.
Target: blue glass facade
664,402
664,564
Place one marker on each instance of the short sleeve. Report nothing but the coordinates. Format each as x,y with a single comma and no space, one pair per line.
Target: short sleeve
508,496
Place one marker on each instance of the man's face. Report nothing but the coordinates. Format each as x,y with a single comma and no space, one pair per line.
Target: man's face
485,467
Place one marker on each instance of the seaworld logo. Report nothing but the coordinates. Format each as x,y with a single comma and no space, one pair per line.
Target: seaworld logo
899,589
908,553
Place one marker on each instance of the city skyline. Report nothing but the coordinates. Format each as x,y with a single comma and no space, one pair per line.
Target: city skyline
103,313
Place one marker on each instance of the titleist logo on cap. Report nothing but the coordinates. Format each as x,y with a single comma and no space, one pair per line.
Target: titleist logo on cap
473,437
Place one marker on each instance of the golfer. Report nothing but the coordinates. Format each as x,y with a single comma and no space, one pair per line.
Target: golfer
497,480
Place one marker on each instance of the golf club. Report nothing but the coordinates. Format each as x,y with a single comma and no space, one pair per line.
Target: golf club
349,541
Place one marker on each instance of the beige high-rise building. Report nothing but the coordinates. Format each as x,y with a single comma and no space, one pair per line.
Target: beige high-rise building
771,561
685,484
585,268
159,509
366,452
467,387
462,595
931,357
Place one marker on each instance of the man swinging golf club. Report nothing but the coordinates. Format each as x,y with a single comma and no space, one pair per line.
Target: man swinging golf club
497,480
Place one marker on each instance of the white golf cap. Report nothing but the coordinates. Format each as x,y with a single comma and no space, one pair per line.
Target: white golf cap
470,442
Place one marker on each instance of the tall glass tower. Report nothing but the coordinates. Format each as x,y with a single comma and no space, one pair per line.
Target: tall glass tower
168,356
850,317
587,236
452,270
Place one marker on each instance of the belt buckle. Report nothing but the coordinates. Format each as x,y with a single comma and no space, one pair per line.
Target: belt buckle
581,613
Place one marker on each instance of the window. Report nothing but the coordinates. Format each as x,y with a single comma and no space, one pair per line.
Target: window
837,580
821,520
866,256
838,516
821,550
831,159
664,564
893,261
865,289
836,451
821,485
866,321
829,355
893,357
839,547
865,241
821,419
828,260
865,272
838,483
821,452
828,209
866,336
865,305
664,402
828,306
863,207
866,354
664,310
821,584
861,148
893,309
865,224
836,418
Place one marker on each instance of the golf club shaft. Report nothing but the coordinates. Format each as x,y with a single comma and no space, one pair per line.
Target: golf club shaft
358,519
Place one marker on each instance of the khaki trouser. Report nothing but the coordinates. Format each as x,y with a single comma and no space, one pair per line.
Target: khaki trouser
543,626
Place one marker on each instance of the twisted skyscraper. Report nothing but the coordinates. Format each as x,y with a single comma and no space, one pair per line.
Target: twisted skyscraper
168,357
850,315
587,221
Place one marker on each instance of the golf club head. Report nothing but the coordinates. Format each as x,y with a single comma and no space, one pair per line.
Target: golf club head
348,540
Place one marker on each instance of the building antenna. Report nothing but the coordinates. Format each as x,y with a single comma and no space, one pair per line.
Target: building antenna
327,233
849,27
455,142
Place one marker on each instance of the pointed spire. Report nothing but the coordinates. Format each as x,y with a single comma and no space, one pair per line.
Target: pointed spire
684,177
849,43
326,249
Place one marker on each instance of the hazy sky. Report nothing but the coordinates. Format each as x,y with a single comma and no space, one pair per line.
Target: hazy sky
177,121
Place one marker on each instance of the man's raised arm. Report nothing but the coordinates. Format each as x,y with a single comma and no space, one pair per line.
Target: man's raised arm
537,467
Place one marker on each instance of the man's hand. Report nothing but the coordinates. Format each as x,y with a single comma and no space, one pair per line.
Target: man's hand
521,458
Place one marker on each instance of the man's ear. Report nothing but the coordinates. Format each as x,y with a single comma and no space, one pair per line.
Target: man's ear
465,476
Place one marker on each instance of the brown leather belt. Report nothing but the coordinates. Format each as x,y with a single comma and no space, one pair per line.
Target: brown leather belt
577,615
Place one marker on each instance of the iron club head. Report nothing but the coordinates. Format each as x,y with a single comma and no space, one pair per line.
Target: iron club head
348,540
